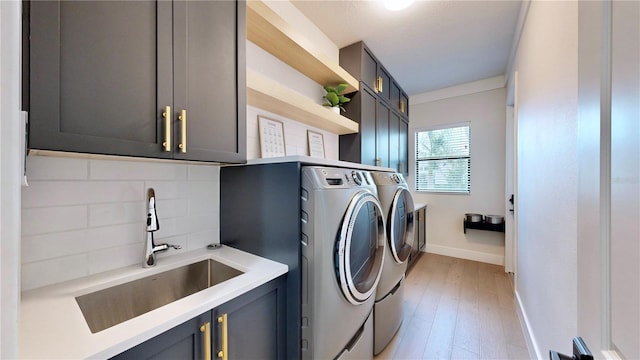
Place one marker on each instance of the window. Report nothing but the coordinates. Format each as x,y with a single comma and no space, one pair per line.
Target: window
443,161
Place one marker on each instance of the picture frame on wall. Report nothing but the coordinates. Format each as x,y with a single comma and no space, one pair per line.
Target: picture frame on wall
316,144
271,132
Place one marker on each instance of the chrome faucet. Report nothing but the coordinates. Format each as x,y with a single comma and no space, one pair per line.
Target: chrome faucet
150,247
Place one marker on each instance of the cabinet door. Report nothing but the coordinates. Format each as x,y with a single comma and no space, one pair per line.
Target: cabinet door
184,341
404,105
383,114
403,148
395,96
384,84
361,147
255,324
394,141
100,75
209,65
369,74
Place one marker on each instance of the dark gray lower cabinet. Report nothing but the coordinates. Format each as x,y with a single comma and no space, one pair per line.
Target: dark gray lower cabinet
255,324
419,232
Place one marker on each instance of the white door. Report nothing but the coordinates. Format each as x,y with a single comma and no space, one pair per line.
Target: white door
625,179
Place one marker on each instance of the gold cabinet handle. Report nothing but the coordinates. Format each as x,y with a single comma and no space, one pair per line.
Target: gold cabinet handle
224,353
379,83
402,106
166,144
183,131
206,330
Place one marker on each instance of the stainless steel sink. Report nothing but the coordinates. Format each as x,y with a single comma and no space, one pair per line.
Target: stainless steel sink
105,308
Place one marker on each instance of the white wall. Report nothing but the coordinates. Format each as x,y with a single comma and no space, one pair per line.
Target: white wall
547,66
445,213
10,42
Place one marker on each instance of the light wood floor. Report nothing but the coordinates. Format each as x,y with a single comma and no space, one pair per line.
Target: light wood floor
457,309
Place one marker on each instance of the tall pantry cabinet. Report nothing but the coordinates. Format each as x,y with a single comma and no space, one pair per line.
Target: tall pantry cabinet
160,79
380,107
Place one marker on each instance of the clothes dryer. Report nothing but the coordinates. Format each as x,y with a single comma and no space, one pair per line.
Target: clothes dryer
343,249
398,209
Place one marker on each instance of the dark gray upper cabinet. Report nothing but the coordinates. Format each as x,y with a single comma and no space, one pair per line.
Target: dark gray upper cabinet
360,62
384,84
404,105
399,100
102,74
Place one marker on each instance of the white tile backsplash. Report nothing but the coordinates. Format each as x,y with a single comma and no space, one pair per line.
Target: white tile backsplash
136,170
115,213
57,168
63,218
84,216
53,271
44,193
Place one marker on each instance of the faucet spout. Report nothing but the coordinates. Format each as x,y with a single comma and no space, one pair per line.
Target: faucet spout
153,225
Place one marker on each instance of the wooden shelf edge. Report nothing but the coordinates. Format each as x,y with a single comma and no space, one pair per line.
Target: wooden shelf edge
268,30
270,95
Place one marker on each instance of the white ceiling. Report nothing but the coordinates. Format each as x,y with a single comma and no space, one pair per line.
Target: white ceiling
431,45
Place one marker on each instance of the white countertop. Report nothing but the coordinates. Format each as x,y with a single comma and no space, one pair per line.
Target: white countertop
52,325
308,160
418,205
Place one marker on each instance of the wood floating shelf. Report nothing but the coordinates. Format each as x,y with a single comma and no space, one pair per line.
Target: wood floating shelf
483,226
268,30
270,95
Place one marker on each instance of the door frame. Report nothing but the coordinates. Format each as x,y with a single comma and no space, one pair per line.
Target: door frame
511,181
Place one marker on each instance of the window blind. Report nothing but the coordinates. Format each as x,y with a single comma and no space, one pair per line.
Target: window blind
443,160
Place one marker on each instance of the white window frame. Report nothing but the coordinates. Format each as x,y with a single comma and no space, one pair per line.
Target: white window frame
418,160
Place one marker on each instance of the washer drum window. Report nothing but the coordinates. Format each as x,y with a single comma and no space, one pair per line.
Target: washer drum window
360,247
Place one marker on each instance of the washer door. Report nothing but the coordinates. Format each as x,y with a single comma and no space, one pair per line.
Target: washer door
359,249
400,225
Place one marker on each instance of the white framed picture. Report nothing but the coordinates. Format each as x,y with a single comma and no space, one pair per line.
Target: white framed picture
271,137
316,144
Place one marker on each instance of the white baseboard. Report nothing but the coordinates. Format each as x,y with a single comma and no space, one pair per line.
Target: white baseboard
532,344
465,254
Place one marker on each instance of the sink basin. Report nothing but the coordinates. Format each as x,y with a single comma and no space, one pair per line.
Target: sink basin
108,307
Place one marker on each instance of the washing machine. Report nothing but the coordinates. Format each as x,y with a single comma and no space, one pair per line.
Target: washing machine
343,249
398,210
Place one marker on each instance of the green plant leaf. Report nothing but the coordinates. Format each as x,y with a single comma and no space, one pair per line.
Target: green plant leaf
330,89
332,98
340,88
343,99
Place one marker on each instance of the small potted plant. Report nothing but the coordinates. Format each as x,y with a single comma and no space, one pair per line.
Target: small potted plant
334,97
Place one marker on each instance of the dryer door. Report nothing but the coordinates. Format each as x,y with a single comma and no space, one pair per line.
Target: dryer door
360,246
400,225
